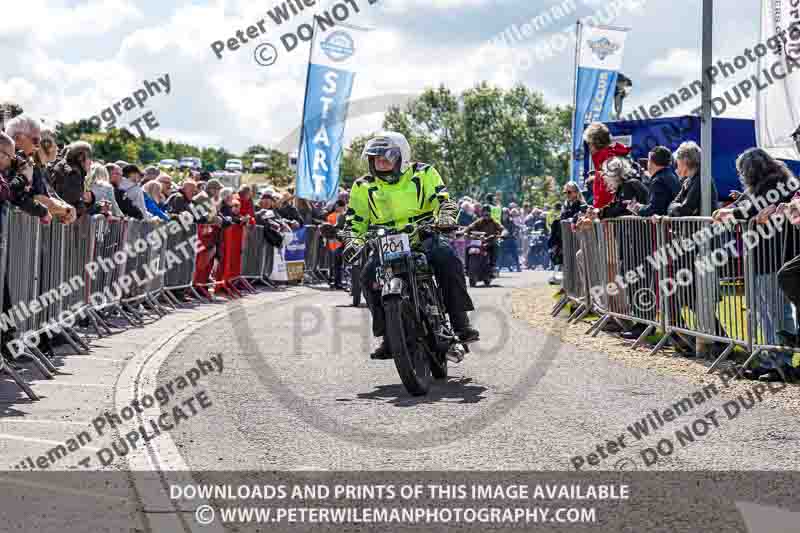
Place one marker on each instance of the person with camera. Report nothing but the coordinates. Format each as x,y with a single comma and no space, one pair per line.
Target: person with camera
17,174
68,176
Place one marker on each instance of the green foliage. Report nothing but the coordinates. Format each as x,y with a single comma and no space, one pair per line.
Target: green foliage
488,139
116,144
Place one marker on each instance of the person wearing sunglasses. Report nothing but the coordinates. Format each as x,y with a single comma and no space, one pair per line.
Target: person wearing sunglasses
400,193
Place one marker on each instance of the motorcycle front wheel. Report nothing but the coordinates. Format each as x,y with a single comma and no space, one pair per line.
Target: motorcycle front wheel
412,357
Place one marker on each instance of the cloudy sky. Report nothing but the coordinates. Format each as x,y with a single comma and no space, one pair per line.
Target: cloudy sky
71,59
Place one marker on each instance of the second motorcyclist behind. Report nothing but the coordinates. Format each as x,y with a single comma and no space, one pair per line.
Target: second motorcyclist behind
488,225
400,194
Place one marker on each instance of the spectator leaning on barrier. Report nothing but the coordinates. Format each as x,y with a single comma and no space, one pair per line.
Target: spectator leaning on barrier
131,184
68,176
289,212
42,188
789,274
598,137
26,134
152,199
213,188
165,180
102,190
620,180
246,201
181,201
767,183
574,207
124,204
688,202
664,184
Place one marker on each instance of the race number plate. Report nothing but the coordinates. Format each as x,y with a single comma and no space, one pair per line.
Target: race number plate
395,246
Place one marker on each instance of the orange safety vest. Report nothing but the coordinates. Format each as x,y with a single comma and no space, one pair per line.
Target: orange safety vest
333,244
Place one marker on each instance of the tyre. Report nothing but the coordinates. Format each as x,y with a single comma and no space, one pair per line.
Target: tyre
412,356
472,281
355,285
487,282
439,365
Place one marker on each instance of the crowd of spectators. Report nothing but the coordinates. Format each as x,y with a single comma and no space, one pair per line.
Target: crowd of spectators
671,186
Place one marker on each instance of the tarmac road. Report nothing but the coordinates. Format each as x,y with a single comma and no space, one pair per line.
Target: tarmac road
299,393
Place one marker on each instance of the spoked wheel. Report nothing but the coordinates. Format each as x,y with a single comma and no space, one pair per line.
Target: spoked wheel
412,357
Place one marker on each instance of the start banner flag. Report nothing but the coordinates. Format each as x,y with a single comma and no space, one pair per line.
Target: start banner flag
335,55
598,61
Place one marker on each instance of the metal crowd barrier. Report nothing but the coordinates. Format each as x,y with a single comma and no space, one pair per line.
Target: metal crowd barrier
57,275
686,277
572,283
770,312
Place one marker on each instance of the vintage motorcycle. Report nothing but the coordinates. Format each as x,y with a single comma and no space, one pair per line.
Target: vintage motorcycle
478,250
418,332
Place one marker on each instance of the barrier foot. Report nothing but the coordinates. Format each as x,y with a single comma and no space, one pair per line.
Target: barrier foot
200,296
249,286
575,313
649,329
21,383
721,358
39,359
584,314
597,326
154,305
559,306
139,318
124,314
96,321
171,299
744,366
667,336
71,335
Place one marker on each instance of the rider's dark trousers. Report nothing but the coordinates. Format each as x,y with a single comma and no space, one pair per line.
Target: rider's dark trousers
449,272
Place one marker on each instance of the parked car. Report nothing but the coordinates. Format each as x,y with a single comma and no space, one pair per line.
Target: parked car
191,163
259,163
168,164
234,165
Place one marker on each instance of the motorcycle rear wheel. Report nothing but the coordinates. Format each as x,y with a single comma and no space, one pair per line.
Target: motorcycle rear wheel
412,357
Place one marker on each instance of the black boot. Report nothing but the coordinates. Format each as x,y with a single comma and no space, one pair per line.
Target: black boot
381,352
463,330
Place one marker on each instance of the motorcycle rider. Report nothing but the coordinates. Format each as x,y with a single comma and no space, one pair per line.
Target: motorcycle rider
401,194
488,225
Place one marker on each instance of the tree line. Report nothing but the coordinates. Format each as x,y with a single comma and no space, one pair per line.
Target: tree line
484,139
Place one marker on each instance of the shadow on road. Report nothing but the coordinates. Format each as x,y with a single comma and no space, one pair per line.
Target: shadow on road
460,389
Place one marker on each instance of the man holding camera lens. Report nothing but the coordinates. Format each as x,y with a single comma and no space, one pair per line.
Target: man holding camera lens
27,136
17,175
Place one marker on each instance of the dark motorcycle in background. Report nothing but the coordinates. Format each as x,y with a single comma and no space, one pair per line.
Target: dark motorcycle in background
418,331
538,253
478,250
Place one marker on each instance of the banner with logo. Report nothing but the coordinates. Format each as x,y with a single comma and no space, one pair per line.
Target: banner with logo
289,260
598,60
335,54
778,105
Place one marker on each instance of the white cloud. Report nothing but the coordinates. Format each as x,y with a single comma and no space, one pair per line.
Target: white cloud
681,63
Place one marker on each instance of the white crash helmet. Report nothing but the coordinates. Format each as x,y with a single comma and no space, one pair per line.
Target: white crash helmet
394,147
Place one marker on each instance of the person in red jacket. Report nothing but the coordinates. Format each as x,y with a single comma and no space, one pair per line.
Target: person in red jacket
598,138
246,203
